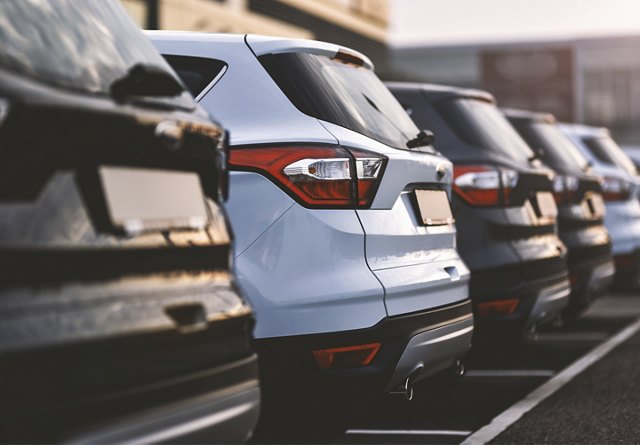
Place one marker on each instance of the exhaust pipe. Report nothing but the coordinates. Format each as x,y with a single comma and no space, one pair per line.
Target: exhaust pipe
406,389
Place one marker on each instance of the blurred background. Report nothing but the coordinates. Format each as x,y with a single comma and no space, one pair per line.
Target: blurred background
579,59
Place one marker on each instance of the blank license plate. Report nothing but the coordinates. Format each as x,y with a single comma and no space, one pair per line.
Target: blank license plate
547,204
433,207
140,200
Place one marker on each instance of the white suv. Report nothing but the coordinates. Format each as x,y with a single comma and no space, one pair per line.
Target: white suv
621,190
344,239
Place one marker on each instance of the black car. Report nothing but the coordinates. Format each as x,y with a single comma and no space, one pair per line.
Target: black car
119,319
578,194
503,205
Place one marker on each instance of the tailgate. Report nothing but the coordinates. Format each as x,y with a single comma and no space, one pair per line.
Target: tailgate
410,233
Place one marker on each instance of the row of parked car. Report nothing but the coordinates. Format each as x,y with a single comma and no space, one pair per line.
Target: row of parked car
373,226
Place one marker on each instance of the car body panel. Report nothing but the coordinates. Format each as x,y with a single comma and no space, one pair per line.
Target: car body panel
319,255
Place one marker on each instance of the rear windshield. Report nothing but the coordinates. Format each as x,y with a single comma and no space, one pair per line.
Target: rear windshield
606,150
80,45
343,94
559,151
483,125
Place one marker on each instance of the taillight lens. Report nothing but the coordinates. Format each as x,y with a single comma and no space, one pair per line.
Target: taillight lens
565,189
368,173
615,189
483,186
327,177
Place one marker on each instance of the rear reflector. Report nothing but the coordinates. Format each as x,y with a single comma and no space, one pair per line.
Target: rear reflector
573,278
318,176
498,307
346,356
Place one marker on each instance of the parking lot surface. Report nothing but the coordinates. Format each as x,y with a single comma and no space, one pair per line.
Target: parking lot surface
597,405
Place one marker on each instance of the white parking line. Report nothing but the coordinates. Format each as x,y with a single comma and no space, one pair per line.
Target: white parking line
519,409
411,432
569,336
509,373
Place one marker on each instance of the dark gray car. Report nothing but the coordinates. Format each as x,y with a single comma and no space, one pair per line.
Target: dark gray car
578,194
503,205
119,320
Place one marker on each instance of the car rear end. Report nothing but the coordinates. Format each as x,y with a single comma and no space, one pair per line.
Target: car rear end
504,207
346,243
119,320
621,190
581,208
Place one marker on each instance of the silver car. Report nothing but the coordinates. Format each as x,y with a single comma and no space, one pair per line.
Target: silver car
344,238
621,190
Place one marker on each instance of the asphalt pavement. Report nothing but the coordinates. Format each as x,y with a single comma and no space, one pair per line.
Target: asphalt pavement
600,404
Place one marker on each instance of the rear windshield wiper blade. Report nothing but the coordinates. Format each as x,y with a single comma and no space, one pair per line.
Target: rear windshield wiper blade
424,138
146,80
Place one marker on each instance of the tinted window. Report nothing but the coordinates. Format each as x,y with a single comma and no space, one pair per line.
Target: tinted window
606,150
344,94
483,125
82,45
195,72
559,151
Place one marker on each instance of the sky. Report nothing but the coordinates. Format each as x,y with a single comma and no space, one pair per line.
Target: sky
445,22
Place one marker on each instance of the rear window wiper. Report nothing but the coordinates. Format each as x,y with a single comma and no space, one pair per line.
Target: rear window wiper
424,138
146,80
538,154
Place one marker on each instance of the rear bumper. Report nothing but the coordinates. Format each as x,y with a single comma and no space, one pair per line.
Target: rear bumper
591,276
549,302
226,416
541,297
433,351
81,361
433,340
627,269
219,404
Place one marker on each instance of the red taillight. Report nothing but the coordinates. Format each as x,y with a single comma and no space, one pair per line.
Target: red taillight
346,356
497,307
368,173
624,262
615,189
565,189
483,186
319,176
